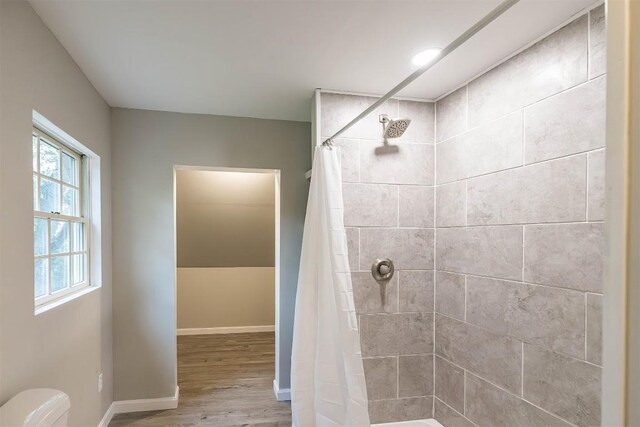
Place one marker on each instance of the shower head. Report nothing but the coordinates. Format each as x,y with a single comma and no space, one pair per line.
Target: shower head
393,128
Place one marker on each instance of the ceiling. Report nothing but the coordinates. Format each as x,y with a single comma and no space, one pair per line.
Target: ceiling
264,58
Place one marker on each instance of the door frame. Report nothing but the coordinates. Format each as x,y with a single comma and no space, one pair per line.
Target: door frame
276,174
621,322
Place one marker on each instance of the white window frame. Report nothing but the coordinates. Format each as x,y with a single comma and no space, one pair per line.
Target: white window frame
89,203
82,218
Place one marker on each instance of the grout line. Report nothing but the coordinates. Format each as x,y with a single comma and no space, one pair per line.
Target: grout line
464,391
454,410
466,202
586,192
524,400
513,224
524,136
586,325
465,298
397,376
501,335
520,282
522,369
523,249
398,206
466,124
589,44
497,118
511,168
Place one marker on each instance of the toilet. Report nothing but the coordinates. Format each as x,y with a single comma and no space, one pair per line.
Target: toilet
38,407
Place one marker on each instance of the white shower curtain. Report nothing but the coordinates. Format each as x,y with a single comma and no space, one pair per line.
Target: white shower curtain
327,377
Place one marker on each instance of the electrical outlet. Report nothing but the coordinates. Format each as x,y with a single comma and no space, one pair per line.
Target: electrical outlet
100,378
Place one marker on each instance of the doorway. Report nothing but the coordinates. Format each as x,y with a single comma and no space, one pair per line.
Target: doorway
227,228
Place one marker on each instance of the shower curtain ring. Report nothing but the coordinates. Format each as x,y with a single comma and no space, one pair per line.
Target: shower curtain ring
327,143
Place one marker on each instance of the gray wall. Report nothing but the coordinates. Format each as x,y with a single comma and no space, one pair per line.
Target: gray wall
519,216
146,146
388,211
66,347
225,219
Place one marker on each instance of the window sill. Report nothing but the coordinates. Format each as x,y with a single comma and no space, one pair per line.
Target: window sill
65,299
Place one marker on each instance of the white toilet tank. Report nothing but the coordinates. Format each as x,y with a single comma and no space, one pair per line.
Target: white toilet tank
38,407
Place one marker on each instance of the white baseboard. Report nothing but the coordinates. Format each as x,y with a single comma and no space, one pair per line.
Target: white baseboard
106,419
140,405
281,393
226,330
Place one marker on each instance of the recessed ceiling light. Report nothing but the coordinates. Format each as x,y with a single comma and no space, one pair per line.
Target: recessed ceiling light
426,56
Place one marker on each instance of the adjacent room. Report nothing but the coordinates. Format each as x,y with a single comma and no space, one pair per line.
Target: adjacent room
393,213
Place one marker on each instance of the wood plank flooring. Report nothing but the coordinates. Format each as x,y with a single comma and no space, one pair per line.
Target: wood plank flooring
225,380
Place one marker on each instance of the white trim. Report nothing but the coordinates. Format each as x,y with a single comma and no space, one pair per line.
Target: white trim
106,418
77,292
373,95
226,330
282,394
224,169
139,405
143,405
265,328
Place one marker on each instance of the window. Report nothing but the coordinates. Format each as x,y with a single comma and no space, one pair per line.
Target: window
60,221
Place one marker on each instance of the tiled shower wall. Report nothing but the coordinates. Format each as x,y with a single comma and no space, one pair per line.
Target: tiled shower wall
515,234
389,212
519,237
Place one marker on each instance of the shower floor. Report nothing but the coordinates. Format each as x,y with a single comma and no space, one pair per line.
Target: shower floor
415,423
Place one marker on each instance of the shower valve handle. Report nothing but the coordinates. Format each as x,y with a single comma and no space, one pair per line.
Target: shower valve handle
382,269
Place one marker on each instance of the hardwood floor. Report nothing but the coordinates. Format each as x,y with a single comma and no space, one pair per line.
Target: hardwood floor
225,380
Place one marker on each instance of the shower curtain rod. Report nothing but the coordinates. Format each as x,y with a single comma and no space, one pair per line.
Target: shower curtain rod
490,17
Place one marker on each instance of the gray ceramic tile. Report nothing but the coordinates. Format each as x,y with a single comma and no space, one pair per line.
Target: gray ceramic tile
449,384
450,294
536,314
594,328
564,386
451,204
561,58
564,255
567,123
451,114
353,246
415,375
487,405
373,297
397,163
379,334
367,205
496,358
483,251
416,291
598,39
414,408
449,417
492,147
381,375
416,206
546,192
383,411
595,189
336,110
422,115
410,248
415,333
349,159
